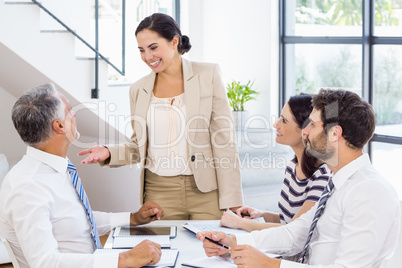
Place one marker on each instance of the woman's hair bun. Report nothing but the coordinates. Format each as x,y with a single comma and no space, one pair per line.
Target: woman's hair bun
185,45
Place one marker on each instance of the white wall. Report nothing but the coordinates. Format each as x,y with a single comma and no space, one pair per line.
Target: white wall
10,142
109,189
242,37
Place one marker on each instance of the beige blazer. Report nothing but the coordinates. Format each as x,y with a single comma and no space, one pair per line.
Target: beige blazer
209,129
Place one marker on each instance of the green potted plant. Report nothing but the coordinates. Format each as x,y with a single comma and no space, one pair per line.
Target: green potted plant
238,95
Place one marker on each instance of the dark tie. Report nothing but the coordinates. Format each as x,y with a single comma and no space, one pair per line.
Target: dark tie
320,209
76,181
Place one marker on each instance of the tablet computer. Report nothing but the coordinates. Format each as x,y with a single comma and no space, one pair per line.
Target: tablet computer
170,230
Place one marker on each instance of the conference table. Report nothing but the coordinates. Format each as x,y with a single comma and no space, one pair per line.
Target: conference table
189,246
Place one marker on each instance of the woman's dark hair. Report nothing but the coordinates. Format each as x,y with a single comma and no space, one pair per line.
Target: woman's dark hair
301,107
166,27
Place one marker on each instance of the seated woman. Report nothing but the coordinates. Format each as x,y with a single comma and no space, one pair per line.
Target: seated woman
305,176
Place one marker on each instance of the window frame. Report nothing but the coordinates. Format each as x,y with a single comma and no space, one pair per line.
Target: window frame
176,11
368,40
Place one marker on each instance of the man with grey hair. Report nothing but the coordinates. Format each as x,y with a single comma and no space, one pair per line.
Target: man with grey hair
44,212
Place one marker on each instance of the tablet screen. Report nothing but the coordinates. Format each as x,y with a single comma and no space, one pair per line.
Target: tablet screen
125,231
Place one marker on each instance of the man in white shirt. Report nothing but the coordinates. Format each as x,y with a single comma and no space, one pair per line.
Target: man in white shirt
41,214
360,224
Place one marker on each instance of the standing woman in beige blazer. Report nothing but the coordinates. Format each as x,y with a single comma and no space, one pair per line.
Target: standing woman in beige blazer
183,133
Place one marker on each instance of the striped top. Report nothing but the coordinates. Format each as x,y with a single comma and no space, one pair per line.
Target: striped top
294,191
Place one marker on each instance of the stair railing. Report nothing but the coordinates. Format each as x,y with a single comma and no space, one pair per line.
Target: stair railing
98,55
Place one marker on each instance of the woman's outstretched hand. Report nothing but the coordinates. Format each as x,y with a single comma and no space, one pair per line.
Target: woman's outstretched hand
96,154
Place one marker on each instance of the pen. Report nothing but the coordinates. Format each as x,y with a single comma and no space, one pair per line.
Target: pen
243,214
217,243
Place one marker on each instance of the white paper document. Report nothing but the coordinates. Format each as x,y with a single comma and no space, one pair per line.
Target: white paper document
132,241
212,262
212,225
224,261
168,258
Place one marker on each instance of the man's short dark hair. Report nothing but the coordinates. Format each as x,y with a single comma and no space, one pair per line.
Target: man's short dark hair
348,110
34,112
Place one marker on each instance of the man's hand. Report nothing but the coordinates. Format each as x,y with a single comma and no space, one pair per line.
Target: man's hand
146,252
96,154
246,256
212,249
149,212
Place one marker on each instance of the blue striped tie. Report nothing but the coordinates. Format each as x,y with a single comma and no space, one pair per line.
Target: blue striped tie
76,181
320,209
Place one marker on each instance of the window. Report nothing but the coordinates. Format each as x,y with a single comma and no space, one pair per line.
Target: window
387,89
387,155
312,66
355,45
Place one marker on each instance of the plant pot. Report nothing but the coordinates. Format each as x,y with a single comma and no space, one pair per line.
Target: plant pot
239,119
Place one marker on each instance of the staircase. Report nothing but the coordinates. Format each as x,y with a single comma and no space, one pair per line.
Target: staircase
32,54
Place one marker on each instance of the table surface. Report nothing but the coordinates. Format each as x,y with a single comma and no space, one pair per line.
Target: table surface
188,245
